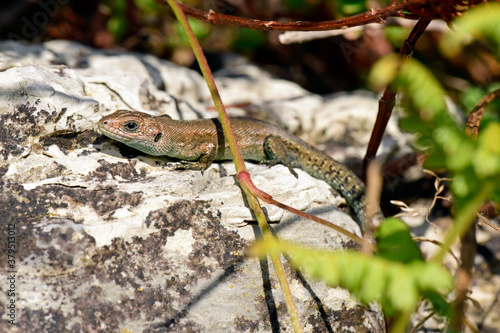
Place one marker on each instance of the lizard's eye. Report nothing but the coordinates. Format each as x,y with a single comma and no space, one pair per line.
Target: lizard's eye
131,126
157,137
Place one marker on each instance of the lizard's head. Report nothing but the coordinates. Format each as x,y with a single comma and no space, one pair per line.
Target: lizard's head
135,129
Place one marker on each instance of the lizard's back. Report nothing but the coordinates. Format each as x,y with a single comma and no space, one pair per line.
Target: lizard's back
194,140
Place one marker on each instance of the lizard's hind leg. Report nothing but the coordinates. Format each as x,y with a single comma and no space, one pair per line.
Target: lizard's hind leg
277,154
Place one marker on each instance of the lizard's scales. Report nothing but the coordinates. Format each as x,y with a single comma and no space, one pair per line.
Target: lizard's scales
203,141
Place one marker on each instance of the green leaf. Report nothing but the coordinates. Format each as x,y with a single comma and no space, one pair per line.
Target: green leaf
396,286
487,158
396,35
423,89
474,165
457,146
395,242
375,282
432,276
384,70
480,22
402,290
461,186
439,304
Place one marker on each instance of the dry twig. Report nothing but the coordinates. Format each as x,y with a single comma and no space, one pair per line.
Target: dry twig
409,9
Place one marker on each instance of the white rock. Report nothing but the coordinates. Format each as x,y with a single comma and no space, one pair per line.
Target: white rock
107,243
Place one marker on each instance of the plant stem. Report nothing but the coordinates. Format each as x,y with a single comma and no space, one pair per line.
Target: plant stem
243,175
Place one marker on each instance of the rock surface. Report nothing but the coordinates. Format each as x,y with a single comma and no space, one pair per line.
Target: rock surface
107,239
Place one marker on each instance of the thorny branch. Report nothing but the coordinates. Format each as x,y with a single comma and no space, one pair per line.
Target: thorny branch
410,9
386,102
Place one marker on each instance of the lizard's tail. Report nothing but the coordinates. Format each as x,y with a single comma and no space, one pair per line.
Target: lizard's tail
344,181
360,208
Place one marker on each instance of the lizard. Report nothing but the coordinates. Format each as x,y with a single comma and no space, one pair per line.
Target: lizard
198,143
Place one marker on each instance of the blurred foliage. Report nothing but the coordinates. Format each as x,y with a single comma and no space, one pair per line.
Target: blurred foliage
397,277
117,23
477,24
149,6
473,94
299,5
419,83
396,35
473,164
351,7
338,8
179,38
338,63
238,40
476,29
246,40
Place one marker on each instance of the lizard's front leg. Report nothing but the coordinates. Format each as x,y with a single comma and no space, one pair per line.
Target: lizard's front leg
202,156
277,154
